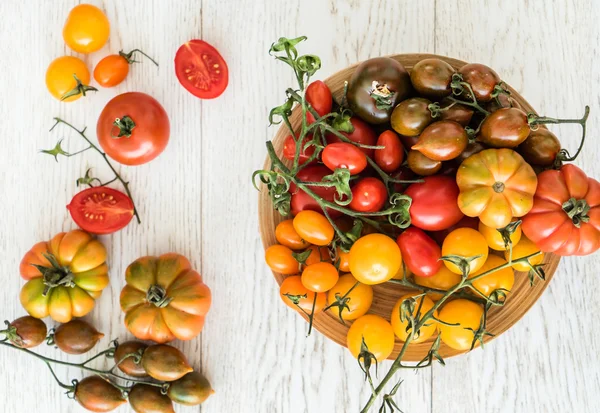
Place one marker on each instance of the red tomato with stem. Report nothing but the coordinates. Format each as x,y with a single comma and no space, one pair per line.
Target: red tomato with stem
101,210
289,149
319,97
391,157
420,252
201,69
368,195
344,155
362,134
302,201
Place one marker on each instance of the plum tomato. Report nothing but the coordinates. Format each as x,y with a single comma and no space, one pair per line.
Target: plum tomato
391,156
289,149
313,227
400,324
443,280
494,237
26,332
98,395
503,279
287,235
375,259
362,134
320,277
411,116
86,29
68,78
76,337
456,112
352,299
201,69
422,165
113,69
522,249
127,364
375,332
149,399
421,254
343,260
165,363
319,97
432,77
505,128
190,390
344,155
467,315
442,140
481,78
298,297
280,259
467,243
434,206
368,195
101,210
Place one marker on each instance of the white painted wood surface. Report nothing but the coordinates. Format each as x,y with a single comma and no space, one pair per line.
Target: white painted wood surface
196,198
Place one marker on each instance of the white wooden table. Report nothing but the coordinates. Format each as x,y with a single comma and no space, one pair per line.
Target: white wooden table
196,199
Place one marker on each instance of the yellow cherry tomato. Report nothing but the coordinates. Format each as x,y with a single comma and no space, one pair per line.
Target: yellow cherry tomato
344,259
352,300
400,326
465,242
320,277
375,259
524,248
317,254
377,334
494,238
86,29
466,314
61,78
313,227
502,279
444,279
296,296
287,235
280,259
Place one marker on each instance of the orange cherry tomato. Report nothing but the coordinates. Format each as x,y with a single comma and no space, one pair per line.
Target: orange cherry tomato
318,254
287,235
400,326
296,296
467,315
320,277
313,227
465,242
86,29
494,237
377,334
113,69
375,259
280,259
344,260
524,248
444,279
503,279
353,299
67,78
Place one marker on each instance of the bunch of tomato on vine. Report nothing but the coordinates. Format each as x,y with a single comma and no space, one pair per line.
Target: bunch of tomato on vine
435,179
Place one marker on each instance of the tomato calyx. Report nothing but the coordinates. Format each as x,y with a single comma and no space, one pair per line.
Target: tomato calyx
79,89
382,95
365,359
341,302
130,59
577,210
498,187
54,276
11,334
126,125
157,295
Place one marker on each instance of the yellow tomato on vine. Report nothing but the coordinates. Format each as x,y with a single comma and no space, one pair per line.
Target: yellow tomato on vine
376,333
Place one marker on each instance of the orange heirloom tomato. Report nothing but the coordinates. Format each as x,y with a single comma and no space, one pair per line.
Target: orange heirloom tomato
65,276
375,259
377,334
494,238
524,248
465,242
344,260
164,299
400,325
287,235
467,315
67,78
313,227
352,299
280,259
86,29
444,279
320,277
496,185
297,296
503,279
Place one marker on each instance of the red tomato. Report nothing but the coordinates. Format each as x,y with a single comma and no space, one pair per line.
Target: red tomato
344,155
201,69
434,203
465,222
368,195
402,174
289,149
319,97
302,201
133,128
101,210
420,253
390,158
362,134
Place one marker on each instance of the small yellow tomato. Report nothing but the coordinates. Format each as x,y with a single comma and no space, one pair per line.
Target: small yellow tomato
352,300
296,296
313,227
60,77
375,259
444,279
377,334
400,326
524,248
502,279
465,242
317,254
86,29
467,315
494,238
320,277
287,235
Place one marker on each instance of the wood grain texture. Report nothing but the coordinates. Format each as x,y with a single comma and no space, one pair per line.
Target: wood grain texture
196,198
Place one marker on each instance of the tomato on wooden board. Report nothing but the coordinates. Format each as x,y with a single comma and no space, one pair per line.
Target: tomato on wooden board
313,227
400,324
565,217
113,69
101,210
467,243
133,128
376,333
68,78
368,195
344,155
292,292
421,254
74,275
320,277
301,201
319,97
467,315
164,299
503,279
98,395
444,280
190,390
362,133
434,205
145,399
201,69
279,258
524,248
287,235
289,149
86,29
391,156
353,300
375,259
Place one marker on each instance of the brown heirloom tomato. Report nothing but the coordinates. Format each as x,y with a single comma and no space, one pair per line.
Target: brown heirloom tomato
411,116
127,364
565,218
149,399
456,112
505,128
164,299
165,363
28,332
471,149
190,390
432,78
98,395
422,165
540,148
76,337
66,275
483,80
496,185
442,141
376,87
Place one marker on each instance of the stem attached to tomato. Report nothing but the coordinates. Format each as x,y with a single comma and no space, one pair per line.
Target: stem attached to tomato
577,210
157,295
126,125
79,89
130,59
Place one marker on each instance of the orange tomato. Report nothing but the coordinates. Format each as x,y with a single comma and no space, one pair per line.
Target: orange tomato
467,315
297,296
465,242
68,76
111,70
444,279
524,248
357,298
280,259
86,29
375,259
377,334
502,279
287,235
494,237
313,227
344,259
320,277
400,326
318,254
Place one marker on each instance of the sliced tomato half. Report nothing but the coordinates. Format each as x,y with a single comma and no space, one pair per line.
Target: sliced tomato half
201,69
101,210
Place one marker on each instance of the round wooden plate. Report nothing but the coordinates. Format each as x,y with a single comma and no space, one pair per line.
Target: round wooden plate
500,319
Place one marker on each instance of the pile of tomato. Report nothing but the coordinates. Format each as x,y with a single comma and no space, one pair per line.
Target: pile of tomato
484,181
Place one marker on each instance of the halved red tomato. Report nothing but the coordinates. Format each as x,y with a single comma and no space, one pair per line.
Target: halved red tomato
201,69
101,210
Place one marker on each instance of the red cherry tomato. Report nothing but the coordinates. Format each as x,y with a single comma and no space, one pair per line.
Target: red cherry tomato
101,210
390,158
434,203
319,97
289,149
368,195
420,253
302,201
201,69
362,134
344,155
